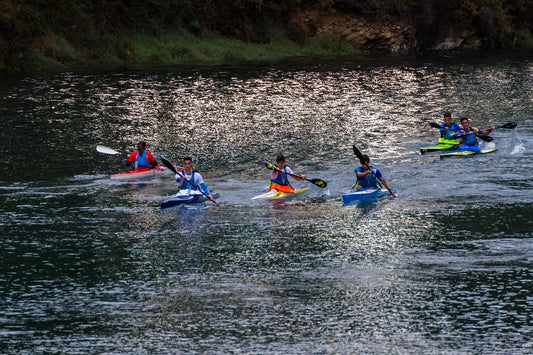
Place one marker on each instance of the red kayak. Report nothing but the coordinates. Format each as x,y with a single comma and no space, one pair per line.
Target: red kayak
141,172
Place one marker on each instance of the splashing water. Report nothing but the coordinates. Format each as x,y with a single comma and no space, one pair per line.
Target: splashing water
517,147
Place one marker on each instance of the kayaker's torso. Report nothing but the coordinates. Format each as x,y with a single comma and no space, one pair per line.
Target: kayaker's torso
368,180
281,178
448,133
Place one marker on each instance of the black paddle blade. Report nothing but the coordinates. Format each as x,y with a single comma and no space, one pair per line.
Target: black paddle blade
485,138
509,125
358,154
320,183
434,124
169,165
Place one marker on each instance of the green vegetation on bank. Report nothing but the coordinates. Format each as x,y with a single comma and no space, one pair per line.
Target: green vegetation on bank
184,48
39,34
180,47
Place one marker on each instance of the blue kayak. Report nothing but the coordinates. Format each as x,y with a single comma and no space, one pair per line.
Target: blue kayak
363,194
184,197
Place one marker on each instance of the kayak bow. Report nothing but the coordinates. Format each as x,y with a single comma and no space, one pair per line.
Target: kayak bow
273,194
460,153
184,197
141,173
363,194
438,147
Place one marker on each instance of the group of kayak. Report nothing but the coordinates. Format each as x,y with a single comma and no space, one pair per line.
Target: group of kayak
193,189
457,141
370,183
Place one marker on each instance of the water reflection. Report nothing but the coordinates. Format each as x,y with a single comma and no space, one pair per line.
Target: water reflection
89,263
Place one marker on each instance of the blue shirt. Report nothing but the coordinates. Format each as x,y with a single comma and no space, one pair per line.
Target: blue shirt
448,134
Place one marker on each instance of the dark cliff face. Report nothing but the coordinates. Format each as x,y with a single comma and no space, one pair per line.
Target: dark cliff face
406,26
73,32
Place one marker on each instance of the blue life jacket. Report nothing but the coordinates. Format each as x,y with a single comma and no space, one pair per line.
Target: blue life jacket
281,179
470,139
185,184
369,180
141,160
448,134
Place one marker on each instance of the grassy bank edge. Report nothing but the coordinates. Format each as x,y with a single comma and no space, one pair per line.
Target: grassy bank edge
54,52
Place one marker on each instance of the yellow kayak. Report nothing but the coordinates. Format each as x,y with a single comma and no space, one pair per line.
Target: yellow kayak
279,194
467,152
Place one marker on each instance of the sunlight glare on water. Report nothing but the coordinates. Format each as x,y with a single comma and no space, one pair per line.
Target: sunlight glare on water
92,264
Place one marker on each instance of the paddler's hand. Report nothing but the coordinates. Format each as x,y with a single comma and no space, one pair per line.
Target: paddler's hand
211,197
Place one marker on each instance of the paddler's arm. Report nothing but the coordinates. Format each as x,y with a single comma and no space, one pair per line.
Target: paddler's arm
151,160
205,189
382,179
487,131
361,175
295,176
180,177
131,159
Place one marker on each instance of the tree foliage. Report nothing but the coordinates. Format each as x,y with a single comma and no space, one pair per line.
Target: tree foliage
74,29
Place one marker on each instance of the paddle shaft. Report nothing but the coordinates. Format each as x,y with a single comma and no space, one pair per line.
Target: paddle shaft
169,165
485,138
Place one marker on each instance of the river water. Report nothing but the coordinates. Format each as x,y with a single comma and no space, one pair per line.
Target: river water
93,265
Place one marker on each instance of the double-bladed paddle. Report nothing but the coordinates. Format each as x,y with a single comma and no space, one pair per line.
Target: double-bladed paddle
107,150
169,165
362,161
482,137
508,125
318,182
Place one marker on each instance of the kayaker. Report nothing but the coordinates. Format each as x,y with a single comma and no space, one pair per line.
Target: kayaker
279,179
141,157
447,130
187,175
468,135
367,176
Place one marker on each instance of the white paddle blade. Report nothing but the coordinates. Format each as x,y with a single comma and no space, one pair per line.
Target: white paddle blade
106,150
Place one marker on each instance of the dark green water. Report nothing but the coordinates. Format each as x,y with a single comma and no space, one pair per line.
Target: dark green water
92,265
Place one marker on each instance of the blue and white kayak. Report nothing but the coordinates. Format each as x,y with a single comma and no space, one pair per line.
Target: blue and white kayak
183,197
363,194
